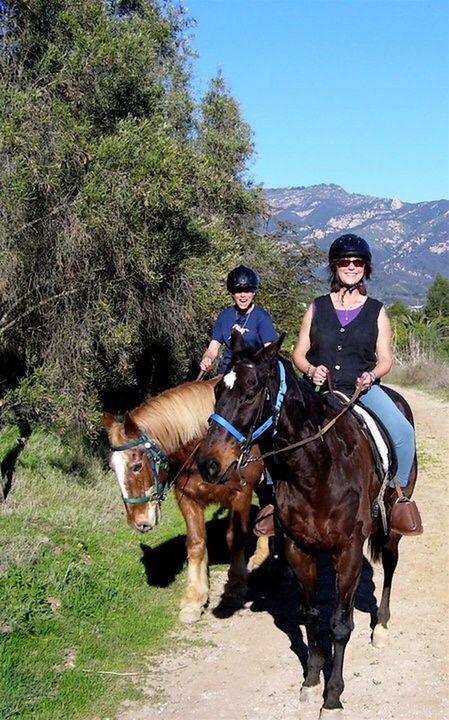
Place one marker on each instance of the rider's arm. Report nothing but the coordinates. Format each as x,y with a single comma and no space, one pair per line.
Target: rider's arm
317,374
303,343
384,353
210,355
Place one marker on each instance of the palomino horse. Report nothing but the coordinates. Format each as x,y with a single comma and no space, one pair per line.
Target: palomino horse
325,488
153,447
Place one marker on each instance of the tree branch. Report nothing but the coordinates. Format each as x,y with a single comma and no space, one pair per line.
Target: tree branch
4,328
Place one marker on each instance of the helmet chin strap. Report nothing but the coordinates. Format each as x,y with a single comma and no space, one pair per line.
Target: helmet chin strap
349,288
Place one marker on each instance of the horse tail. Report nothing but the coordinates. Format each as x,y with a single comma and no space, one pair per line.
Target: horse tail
376,542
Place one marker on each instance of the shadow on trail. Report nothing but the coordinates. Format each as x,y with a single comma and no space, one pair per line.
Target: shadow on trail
165,561
274,588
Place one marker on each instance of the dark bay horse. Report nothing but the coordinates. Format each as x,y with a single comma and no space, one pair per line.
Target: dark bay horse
324,493
149,450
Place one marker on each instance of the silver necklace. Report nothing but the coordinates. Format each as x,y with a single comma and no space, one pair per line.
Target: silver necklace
237,325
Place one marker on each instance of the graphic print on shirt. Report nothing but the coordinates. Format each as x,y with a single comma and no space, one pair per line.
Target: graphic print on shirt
240,329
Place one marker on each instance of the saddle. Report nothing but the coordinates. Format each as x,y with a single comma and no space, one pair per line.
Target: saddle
405,518
378,437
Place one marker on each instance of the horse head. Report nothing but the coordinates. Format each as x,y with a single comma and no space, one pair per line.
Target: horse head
136,463
242,404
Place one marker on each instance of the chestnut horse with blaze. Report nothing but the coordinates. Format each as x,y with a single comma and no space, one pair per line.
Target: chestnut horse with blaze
325,488
152,448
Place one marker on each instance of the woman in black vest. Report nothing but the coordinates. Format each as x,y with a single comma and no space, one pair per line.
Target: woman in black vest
346,336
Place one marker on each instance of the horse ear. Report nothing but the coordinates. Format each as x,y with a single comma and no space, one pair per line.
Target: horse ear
108,421
130,427
237,342
270,351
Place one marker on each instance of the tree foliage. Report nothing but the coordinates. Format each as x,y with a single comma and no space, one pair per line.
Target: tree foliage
438,298
423,334
123,204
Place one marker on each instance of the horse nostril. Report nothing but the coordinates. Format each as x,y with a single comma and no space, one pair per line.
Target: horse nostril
143,527
211,468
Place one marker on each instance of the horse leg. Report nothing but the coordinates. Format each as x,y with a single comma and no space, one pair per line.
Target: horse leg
237,584
348,568
305,570
390,557
196,594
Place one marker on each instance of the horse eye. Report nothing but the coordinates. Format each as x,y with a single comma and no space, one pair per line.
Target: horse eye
137,468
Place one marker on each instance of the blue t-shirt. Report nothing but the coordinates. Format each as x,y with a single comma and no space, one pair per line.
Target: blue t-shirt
256,328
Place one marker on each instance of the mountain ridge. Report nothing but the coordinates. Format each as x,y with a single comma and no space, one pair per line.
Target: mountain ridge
409,241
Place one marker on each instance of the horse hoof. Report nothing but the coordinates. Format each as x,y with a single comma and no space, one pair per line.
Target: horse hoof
189,615
310,693
330,713
234,602
380,637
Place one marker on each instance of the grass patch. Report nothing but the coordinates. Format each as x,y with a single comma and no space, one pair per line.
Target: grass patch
424,459
428,375
9,437
76,599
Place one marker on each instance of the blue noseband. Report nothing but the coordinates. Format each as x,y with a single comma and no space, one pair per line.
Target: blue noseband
267,424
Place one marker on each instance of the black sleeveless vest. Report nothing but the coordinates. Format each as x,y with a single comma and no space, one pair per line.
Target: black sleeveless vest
347,351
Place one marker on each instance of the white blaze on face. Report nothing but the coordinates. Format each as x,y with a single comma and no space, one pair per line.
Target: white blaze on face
118,464
229,379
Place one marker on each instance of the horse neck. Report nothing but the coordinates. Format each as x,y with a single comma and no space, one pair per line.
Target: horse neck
302,411
177,417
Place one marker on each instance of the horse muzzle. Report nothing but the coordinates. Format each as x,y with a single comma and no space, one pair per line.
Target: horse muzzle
146,519
210,469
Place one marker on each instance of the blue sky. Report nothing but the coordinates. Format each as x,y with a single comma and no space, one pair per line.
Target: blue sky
352,92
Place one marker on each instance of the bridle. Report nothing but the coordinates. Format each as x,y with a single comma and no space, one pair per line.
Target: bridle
246,442
254,434
157,459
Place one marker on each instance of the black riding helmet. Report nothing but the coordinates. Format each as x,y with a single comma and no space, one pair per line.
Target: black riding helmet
349,246
242,279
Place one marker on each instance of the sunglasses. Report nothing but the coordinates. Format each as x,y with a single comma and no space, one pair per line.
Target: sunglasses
346,262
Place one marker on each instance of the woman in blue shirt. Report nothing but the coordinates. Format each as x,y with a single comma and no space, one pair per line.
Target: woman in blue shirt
252,320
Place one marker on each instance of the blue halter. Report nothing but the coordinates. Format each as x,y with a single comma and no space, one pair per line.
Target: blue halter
267,424
157,460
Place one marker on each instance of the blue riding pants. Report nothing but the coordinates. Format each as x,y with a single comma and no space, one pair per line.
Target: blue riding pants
401,431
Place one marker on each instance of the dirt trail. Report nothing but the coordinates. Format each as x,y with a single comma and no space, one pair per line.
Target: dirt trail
245,668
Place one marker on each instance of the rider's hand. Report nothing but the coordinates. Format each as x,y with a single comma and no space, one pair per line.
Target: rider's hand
205,363
364,382
319,375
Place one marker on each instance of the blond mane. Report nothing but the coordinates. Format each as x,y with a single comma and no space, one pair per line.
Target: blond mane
178,415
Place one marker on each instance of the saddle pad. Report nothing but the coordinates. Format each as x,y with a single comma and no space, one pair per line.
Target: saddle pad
385,451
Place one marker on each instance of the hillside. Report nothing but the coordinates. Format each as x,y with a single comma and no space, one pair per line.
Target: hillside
410,241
